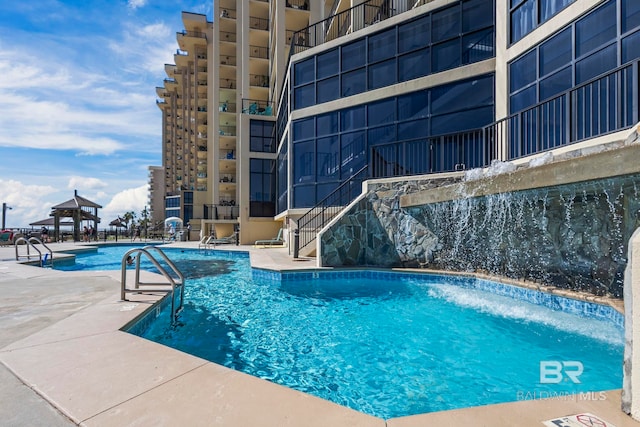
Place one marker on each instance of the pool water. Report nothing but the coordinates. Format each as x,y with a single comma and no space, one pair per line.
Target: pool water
384,347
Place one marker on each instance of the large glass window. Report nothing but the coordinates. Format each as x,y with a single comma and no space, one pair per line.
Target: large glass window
630,15
439,40
555,53
353,55
262,136
445,23
381,112
262,188
304,162
328,158
327,124
413,35
598,63
596,29
382,45
352,118
526,15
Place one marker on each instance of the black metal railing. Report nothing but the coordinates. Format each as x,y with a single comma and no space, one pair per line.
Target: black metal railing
257,106
227,130
228,84
228,13
227,107
221,211
226,36
258,80
258,23
259,52
297,4
196,34
342,23
227,60
321,214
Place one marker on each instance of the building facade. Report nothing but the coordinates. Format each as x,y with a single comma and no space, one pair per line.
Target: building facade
304,96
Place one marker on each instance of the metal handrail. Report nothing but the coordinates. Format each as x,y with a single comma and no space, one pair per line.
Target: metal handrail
30,244
172,282
315,219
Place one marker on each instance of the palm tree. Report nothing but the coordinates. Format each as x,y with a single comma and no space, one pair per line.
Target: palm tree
144,222
129,216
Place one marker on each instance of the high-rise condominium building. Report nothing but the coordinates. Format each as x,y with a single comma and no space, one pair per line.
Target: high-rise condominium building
277,104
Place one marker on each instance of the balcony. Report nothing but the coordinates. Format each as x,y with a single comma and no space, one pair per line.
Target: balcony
227,60
259,80
257,106
226,36
257,23
227,84
228,13
227,130
227,107
297,4
261,52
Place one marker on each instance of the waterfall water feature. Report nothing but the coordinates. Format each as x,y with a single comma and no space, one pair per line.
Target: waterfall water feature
571,236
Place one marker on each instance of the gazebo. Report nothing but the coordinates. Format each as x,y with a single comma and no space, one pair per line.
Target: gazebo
79,209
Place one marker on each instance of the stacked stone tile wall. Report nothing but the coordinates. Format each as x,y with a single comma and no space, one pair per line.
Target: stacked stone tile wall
571,236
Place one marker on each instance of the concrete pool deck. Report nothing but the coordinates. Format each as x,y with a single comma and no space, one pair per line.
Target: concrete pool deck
64,361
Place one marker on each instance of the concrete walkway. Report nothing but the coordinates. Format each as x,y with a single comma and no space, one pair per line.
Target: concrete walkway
64,361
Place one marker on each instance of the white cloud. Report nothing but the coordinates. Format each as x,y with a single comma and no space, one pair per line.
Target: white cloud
28,203
135,4
86,183
132,199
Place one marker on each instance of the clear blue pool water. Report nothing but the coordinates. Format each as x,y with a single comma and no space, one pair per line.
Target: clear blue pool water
384,347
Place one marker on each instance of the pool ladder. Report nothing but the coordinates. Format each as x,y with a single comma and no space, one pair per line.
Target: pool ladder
139,287
31,243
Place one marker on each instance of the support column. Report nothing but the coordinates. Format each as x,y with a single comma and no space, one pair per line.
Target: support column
631,380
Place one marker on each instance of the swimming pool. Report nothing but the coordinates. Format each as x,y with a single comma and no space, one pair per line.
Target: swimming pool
390,344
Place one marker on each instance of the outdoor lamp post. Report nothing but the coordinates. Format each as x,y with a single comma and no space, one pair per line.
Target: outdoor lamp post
4,213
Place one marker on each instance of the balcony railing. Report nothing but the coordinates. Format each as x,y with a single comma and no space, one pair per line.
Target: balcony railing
227,107
228,13
258,23
226,36
227,60
346,22
196,34
298,4
601,106
257,106
228,84
259,52
222,211
227,130
258,80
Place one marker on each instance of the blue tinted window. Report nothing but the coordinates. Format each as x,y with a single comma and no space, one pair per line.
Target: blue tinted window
353,55
596,64
303,71
476,14
523,20
556,52
382,45
323,190
327,124
477,46
382,74
523,99
352,118
413,65
413,129
328,64
354,82
596,29
353,153
460,96
522,71
445,24
414,105
328,89
413,35
630,15
304,196
631,47
304,96
304,162
303,129
461,121
555,83
446,55
381,135
548,8
328,158
381,112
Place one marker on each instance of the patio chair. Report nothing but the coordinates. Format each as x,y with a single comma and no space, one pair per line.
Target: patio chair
6,238
223,240
275,241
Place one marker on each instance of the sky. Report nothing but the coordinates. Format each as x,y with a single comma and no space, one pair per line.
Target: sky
78,101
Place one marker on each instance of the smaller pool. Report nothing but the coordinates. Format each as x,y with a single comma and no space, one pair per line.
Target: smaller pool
391,344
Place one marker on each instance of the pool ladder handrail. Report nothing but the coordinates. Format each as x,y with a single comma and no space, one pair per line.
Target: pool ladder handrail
172,281
30,243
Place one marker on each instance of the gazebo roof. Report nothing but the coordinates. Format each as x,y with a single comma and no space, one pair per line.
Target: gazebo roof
77,202
51,222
